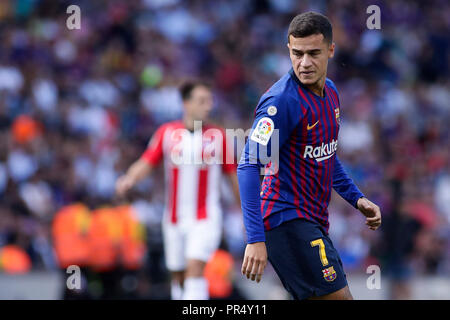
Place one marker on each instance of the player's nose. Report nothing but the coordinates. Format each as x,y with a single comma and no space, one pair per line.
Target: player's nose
305,62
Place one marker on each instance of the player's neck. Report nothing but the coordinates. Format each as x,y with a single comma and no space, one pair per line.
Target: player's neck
317,87
191,124
188,123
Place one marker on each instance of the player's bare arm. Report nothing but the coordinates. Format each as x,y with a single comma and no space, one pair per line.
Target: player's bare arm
255,261
137,171
371,211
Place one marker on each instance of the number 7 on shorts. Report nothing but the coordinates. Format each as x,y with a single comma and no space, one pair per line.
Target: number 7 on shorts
322,254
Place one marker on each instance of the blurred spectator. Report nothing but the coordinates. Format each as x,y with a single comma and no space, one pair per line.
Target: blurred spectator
219,273
14,260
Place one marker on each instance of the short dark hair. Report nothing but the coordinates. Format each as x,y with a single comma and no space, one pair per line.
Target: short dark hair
309,23
187,87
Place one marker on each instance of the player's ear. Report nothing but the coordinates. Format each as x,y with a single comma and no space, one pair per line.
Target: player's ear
331,50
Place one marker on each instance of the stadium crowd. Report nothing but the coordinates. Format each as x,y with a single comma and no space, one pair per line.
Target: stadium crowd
78,106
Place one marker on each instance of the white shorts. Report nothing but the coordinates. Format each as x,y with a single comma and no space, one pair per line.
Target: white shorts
197,240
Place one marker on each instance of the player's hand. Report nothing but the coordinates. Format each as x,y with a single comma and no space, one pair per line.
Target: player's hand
255,261
123,184
371,211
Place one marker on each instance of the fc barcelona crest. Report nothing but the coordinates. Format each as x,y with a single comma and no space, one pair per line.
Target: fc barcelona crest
336,113
329,274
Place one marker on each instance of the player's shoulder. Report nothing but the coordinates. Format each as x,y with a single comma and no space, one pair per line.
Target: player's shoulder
165,130
330,84
213,125
171,125
281,94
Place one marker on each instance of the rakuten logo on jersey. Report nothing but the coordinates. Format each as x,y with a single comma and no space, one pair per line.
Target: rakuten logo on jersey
320,153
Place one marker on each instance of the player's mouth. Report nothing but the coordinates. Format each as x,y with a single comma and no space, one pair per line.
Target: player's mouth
306,73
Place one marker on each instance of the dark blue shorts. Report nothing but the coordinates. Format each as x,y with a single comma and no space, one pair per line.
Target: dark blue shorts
305,259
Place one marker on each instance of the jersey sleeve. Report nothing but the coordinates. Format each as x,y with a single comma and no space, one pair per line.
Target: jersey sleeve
154,152
344,185
275,118
272,126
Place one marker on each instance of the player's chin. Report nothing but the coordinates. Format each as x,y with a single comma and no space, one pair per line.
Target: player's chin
308,79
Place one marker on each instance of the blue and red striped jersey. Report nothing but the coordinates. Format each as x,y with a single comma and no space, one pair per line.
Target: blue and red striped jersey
294,138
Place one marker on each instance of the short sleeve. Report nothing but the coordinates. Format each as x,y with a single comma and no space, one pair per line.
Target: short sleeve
154,152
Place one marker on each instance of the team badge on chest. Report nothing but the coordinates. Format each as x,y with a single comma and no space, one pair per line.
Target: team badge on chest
336,112
329,274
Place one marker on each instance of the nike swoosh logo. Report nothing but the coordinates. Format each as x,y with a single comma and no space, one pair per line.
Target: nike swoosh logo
310,127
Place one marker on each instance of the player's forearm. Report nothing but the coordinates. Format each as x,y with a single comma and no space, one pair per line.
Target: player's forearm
249,189
139,170
344,185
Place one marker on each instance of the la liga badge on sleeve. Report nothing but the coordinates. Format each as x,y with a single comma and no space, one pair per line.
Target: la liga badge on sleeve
263,131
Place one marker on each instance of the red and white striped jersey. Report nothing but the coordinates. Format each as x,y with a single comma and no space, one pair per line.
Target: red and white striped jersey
193,165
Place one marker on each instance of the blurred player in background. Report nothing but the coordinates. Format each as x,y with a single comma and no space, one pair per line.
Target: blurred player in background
290,214
192,220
